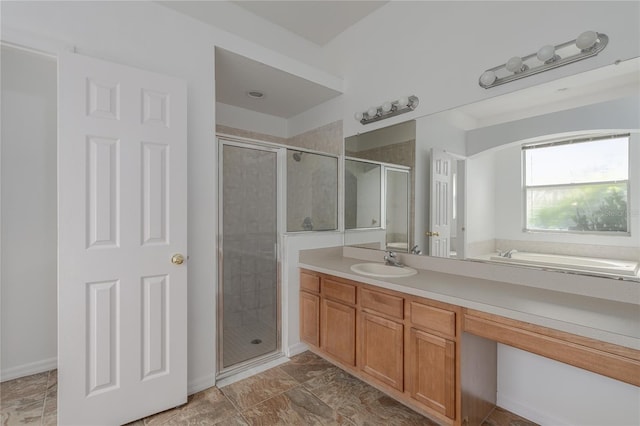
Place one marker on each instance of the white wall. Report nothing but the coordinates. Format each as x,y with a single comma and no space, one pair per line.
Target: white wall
327,112
430,49
241,118
438,49
29,214
569,395
481,199
249,26
619,114
149,36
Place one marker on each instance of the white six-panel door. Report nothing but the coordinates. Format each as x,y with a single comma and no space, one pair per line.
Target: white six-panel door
441,202
122,302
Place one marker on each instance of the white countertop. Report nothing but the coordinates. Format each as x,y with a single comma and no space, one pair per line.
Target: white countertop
607,320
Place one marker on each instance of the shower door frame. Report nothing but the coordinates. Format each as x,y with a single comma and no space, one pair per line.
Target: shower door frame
226,140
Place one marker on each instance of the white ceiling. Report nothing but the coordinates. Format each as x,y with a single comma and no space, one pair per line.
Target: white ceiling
317,21
285,95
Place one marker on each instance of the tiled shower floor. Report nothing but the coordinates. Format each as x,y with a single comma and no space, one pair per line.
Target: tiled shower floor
307,390
238,344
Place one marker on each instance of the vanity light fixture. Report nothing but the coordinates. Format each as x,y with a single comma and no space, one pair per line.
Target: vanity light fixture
387,110
588,44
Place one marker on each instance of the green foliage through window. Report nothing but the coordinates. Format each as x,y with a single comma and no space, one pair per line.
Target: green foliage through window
589,205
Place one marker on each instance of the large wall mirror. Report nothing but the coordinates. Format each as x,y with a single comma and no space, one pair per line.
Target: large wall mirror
545,177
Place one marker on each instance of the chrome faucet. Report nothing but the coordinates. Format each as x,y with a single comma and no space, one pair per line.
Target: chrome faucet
390,259
507,253
415,250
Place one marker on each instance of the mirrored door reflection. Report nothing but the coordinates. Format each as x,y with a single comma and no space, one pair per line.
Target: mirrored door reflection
397,209
249,230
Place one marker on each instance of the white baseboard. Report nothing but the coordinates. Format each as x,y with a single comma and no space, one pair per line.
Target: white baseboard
201,383
296,349
528,412
28,369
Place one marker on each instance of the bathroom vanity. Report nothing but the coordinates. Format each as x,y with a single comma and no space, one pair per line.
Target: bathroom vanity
429,340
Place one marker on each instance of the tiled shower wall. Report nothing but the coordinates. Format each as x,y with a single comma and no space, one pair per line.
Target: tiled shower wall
312,192
250,290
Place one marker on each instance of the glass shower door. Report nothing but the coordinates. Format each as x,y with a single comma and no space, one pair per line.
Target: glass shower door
248,293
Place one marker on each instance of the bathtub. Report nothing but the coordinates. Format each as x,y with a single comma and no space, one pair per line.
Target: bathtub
572,263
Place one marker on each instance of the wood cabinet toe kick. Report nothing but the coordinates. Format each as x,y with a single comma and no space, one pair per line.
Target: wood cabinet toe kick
607,359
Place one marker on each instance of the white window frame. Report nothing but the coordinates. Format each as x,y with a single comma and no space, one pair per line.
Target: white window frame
526,187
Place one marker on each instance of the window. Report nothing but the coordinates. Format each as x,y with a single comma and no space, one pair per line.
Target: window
577,186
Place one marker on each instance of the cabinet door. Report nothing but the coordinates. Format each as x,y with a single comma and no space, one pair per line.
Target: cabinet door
382,350
432,371
310,318
339,331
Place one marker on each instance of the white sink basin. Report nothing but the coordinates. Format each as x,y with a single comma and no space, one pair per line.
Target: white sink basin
380,270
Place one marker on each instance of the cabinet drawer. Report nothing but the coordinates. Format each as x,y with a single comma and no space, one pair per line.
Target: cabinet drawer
309,282
382,303
339,291
434,319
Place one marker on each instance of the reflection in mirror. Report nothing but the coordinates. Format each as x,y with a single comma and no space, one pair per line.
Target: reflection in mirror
397,209
389,155
362,193
581,215
312,191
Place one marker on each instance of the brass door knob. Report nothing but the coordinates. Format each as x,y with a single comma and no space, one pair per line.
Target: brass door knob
431,234
177,259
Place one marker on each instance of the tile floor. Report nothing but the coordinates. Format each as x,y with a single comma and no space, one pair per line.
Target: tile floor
307,390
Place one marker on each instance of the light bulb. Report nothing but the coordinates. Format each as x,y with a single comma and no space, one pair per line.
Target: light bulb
586,40
402,102
546,53
357,116
514,64
371,112
487,78
386,107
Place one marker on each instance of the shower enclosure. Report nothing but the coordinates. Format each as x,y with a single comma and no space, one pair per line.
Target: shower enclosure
248,302
253,212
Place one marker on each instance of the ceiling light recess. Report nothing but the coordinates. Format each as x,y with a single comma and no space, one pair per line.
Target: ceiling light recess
387,110
255,94
588,44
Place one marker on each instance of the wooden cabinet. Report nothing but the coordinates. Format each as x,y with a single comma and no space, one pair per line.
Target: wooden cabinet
414,349
310,309
401,344
338,325
310,318
381,353
432,369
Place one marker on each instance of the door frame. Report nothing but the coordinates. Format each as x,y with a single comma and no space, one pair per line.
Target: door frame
281,152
